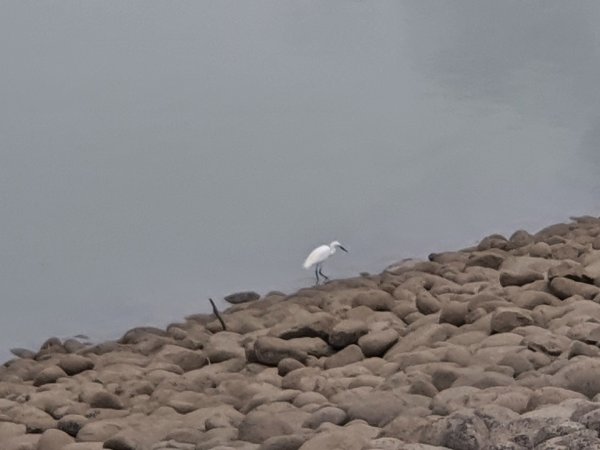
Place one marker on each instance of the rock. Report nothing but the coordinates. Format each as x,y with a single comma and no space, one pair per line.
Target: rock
336,439
377,408
488,259
9,429
540,250
581,375
74,364
286,365
571,270
427,303
71,424
259,426
520,238
551,395
270,350
454,313
327,414
376,343
139,334
291,442
223,346
34,419
425,335
531,299
579,348
375,299
84,446
564,288
508,318
547,342
349,355
54,440
559,229
122,442
103,399
49,375
25,442
98,431
186,359
242,297
517,361
23,353
315,325
519,278
492,241
347,332
73,345
464,431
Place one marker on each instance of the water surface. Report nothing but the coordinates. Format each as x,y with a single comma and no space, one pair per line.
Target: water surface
154,154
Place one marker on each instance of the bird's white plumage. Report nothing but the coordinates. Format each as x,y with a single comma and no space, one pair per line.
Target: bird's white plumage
319,254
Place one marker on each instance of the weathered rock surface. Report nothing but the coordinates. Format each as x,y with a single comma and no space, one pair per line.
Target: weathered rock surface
494,347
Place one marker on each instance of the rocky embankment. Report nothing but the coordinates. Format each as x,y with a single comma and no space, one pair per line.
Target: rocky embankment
492,347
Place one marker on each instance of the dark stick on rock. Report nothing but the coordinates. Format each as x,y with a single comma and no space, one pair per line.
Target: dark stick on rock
216,311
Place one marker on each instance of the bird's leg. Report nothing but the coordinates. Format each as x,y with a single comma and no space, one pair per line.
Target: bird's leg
317,273
322,274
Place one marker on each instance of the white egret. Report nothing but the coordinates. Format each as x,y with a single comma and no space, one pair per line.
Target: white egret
319,255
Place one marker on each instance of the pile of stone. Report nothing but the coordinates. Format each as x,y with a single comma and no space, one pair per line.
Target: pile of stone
492,347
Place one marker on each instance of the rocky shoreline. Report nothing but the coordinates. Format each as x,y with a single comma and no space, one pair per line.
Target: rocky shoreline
493,347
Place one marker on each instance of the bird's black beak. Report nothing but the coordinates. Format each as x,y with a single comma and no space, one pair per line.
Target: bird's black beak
342,248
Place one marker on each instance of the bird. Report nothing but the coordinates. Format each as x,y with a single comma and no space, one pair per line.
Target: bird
319,255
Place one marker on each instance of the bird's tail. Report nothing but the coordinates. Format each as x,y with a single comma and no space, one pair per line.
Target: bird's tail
306,264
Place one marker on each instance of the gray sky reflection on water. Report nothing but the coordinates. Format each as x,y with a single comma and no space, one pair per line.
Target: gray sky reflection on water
157,153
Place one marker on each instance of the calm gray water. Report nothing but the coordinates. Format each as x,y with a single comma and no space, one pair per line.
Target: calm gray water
153,154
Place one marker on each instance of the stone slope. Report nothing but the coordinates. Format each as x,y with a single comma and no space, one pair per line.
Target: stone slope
492,347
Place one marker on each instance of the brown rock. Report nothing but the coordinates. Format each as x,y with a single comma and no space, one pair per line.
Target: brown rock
508,318
329,414
71,424
84,446
54,440
74,364
242,297
519,278
520,238
186,359
291,442
375,299
347,332
427,303
540,250
259,426
49,375
103,399
489,259
376,343
454,313
9,429
98,431
578,348
286,365
581,376
270,350
122,442
531,299
223,346
25,442
377,408
349,355
334,439
564,288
